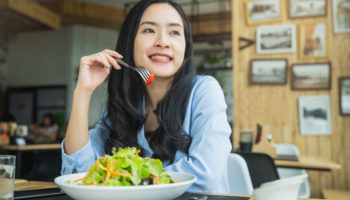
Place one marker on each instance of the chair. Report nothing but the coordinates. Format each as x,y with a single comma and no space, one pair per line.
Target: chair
292,150
261,167
238,175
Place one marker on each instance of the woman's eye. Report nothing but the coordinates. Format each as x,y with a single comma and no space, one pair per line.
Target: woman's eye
148,30
175,32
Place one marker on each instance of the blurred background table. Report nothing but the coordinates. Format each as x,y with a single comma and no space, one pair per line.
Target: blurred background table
22,184
336,194
309,163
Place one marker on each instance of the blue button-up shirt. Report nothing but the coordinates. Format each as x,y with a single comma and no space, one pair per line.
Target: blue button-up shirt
205,121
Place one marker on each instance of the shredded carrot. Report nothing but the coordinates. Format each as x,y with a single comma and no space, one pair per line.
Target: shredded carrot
100,166
156,179
175,181
137,152
86,175
119,174
80,179
107,176
91,184
114,164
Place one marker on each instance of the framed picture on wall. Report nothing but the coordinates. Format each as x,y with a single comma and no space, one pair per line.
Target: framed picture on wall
263,11
344,95
268,71
314,115
308,8
313,40
275,39
315,76
341,16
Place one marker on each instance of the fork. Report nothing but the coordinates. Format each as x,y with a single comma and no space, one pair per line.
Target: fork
146,76
142,71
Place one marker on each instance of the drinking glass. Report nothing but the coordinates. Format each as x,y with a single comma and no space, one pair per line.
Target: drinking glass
7,176
246,141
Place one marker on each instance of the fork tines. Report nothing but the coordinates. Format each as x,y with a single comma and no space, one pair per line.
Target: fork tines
143,73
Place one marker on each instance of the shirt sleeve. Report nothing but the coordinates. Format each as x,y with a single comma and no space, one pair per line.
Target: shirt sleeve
82,160
210,133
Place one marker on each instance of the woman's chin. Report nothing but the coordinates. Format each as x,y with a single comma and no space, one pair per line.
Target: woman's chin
163,75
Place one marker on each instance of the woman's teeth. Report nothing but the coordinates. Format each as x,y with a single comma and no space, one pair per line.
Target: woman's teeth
160,57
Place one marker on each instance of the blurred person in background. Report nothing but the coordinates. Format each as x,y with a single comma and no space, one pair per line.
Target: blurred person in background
47,130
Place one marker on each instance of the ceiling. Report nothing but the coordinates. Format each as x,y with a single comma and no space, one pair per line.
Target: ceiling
30,15
205,6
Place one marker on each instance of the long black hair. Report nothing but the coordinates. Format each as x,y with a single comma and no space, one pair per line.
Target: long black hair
127,92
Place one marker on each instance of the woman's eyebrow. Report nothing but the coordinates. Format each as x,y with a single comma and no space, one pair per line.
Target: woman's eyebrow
155,24
175,24
148,22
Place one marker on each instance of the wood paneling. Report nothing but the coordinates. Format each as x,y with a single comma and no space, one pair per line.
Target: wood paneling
211,23
276,107
77,12
32,10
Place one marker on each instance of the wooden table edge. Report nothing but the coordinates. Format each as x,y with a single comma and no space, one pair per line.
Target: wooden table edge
31,147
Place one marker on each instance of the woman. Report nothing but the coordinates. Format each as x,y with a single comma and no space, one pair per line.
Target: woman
180,118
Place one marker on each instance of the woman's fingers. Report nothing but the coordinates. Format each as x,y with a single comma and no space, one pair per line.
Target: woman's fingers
113,61
111,57
94,59
104,59
112,53
106,63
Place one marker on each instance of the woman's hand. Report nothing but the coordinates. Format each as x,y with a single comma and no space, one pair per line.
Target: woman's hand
92,73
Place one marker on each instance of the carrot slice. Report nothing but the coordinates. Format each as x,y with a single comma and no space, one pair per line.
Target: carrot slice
119,174
107,176
156,179
100,165
114,164
175,181
80,179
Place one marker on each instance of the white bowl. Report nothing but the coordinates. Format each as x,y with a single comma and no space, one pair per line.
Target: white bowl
286,189
145,192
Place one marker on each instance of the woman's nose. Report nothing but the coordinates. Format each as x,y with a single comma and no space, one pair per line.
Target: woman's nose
162,41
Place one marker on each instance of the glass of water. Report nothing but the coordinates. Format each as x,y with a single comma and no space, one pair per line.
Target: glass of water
7,176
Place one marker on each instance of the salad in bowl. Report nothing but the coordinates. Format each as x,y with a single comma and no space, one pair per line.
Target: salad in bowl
125,175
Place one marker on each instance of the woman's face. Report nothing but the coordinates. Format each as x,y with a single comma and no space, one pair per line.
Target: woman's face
160,40
46,121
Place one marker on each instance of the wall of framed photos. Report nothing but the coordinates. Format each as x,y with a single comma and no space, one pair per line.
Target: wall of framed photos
314,40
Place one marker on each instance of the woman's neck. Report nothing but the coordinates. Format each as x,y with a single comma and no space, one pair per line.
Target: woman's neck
157,91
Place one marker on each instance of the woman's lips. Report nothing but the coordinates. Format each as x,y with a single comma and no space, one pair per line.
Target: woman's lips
160,58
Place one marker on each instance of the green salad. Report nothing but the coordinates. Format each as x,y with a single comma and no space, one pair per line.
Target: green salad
125,167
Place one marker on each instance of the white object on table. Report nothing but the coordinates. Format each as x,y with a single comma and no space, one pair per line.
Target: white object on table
292,150
286,189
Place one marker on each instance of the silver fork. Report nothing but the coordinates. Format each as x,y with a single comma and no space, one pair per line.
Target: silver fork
143,72
146,76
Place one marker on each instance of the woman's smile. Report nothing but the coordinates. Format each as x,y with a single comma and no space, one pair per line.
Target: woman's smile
161,58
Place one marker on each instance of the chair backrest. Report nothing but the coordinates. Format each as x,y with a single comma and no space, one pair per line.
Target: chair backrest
292,150
261,167
238,175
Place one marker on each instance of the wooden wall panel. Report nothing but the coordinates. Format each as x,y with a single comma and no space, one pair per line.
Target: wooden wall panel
276,107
